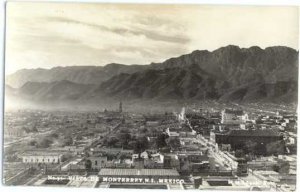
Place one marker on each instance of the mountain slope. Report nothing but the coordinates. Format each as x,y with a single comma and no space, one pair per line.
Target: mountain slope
172,83
228,74
282,91
76,74
60,90
193,83
231,63
240,65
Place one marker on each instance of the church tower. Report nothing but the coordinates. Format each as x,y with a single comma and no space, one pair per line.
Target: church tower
120,107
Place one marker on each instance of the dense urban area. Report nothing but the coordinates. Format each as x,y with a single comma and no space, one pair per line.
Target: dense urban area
249,147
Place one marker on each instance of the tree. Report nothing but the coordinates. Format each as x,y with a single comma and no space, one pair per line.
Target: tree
239,153
124,139
68,141
66,157
88,164
54,135
141,145
161,140
282,167
175,143
144,130
105,141
32,143
112,141
44,143
132,144
124,130
34,129
79,137
125,156
30,129
12,158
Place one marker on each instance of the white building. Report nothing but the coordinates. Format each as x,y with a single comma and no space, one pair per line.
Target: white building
233,116
44,157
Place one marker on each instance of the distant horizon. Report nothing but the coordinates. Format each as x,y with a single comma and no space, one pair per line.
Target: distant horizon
64,66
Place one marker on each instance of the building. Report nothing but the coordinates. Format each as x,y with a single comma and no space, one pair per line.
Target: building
155,161
193,163
140,178
229,116
112,151
43,157
152,123
263,163
96,162
242,168
231,184
14,132
228,159
237,138
171,161
181,116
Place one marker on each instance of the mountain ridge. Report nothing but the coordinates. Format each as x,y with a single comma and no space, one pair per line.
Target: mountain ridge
229,73
98,74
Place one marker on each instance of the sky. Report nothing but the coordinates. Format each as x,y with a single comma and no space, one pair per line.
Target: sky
46,35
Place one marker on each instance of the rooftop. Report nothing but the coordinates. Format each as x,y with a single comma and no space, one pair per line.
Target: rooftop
219,183
140,172
43,153
235,112
254,133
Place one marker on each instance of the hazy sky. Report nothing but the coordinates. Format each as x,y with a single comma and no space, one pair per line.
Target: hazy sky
62,34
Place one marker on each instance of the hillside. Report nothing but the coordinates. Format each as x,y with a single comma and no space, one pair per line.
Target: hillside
76,74
240,65
228,74
59,90
172,83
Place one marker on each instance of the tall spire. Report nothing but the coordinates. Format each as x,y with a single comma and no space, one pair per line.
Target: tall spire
120,107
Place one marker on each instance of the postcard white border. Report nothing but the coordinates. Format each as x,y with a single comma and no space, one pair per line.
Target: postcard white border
211,2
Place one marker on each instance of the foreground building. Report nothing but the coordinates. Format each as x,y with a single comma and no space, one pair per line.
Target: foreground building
140,178
43,157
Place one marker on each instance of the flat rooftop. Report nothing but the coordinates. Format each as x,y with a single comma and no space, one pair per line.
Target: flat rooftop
219,183
43,153
138,172
138,186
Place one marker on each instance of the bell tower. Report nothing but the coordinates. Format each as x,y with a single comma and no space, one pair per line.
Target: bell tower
120,107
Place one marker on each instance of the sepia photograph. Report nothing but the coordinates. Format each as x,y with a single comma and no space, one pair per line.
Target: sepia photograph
150,96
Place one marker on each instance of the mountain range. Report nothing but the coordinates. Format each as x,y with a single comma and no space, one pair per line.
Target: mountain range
229,73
